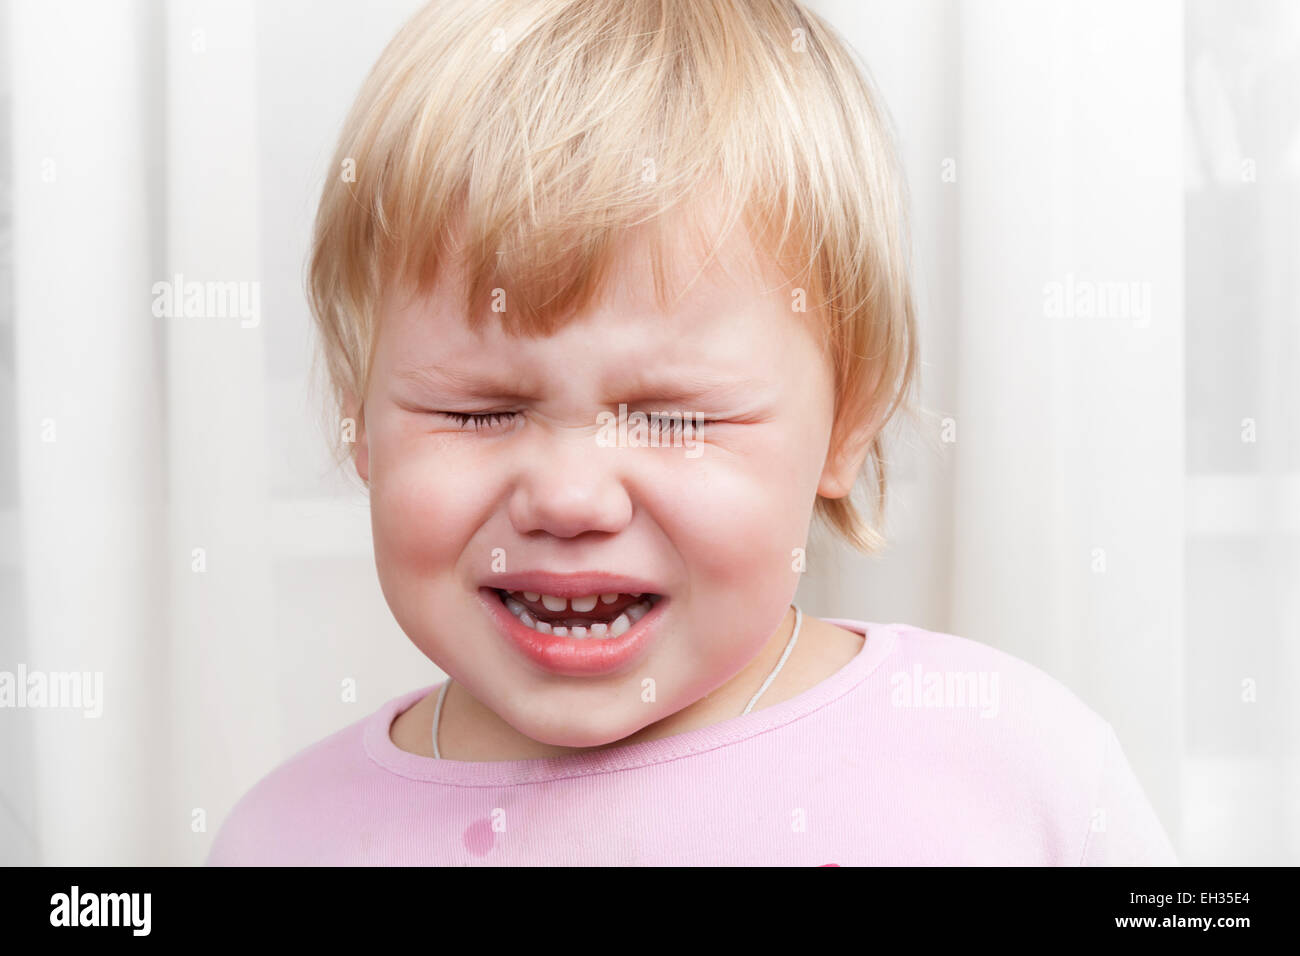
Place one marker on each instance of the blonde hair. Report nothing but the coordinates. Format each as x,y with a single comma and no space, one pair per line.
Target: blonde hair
527,137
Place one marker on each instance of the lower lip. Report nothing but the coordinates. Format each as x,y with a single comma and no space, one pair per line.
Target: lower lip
575,656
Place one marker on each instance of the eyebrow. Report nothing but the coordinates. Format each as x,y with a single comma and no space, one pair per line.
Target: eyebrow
466,383
636,388
644,387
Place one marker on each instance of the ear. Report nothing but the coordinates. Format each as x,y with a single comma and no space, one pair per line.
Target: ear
361,448
844,460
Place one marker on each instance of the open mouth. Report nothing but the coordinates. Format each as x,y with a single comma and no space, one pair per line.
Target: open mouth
599,616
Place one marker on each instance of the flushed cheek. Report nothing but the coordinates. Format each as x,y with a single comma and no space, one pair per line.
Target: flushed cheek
421,520
735,531
733,526
423,512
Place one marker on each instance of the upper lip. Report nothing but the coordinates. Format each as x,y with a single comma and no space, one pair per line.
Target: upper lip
571,584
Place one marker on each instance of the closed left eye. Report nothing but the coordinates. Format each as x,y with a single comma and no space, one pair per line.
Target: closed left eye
479,420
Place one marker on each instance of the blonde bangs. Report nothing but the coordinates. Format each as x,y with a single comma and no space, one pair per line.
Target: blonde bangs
525,141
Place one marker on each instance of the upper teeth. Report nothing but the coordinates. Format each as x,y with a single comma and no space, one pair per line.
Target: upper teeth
615,628
580,604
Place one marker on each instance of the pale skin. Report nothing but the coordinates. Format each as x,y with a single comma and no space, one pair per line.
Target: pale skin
537,487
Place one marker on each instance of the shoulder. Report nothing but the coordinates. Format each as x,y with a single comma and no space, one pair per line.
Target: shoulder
1009,735
928,670
933,670
281,817
1012,748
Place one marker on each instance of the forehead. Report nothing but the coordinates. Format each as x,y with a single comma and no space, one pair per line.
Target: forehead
718,287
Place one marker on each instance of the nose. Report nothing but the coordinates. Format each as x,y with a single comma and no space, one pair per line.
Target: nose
570,485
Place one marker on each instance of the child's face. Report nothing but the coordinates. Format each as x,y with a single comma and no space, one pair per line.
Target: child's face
458,513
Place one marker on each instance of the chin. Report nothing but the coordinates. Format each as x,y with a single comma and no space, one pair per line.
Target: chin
569,733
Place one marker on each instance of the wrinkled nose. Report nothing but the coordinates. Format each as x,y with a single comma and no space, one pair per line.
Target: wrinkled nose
570,485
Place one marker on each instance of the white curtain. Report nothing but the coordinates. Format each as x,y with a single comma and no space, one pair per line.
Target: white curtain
180,532
1121,502
1082,494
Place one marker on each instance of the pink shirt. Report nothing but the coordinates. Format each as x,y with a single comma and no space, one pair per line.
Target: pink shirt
925,749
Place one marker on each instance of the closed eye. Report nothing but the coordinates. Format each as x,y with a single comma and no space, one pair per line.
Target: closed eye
480,420
666,426
679,425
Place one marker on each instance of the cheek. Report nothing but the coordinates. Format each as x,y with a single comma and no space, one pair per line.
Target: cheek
423,504
736,518
735,522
